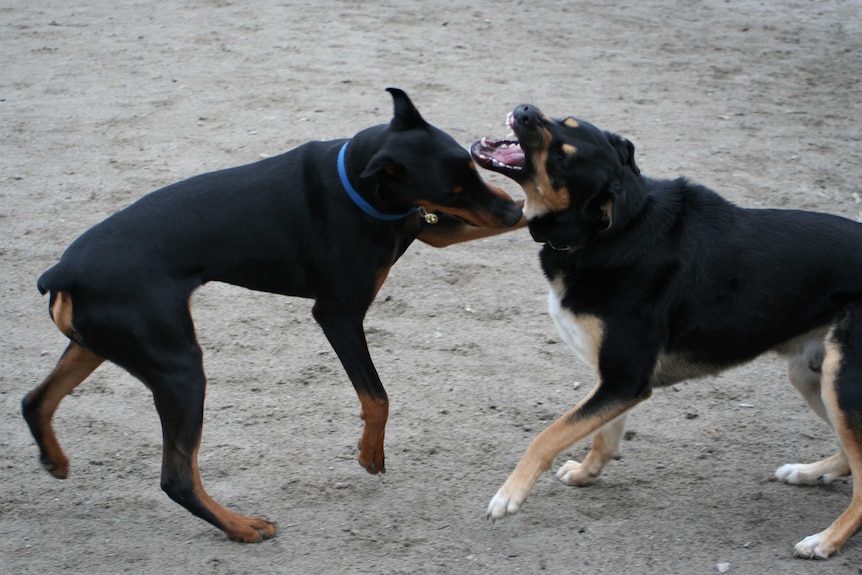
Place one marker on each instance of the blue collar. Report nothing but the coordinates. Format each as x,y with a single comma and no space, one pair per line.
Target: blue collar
359,200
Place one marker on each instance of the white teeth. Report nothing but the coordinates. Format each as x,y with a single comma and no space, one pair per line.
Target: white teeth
498,163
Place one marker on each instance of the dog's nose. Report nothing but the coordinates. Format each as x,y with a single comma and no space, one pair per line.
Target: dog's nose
526,116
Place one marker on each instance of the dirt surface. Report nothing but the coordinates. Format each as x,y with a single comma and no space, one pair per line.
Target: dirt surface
105,101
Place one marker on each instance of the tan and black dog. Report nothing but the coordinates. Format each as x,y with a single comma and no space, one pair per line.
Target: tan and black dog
657,281
324,221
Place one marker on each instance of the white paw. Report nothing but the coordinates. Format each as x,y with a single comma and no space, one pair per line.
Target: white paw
800,474
502,505
574,473
788,473
813,547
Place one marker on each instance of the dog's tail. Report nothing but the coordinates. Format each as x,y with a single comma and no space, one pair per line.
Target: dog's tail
56,278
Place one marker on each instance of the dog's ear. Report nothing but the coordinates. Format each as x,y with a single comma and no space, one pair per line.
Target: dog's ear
406,115
625,150
618,207
384,166
614,207
598,211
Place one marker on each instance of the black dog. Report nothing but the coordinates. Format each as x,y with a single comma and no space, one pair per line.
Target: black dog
324,221
654,282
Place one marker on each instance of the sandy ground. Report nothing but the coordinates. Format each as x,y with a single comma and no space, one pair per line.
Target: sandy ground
101,102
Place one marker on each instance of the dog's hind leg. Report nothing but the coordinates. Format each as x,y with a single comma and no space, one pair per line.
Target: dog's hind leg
152,336
38,406
606,444
842,396
178,384
804,371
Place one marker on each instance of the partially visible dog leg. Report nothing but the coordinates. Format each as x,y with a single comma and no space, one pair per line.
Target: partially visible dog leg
344,331
842,380
38,406
178,392
606,443
804,371
818,473
591,413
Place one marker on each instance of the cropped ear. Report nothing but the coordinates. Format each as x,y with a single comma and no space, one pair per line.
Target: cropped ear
406,115
384,166
625,150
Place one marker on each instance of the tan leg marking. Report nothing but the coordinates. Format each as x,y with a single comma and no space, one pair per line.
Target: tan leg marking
606,443
822,545
560,435
236,527
804,369
76,364
381,277
375,413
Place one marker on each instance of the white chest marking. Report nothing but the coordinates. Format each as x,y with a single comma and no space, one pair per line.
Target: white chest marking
583,333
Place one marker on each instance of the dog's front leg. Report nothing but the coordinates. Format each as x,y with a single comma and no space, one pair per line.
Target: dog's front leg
607,401
345,334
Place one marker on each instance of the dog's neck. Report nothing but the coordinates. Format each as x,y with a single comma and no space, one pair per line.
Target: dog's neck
359,200
359,152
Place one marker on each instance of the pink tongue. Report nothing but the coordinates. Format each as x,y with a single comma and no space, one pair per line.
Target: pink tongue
511,156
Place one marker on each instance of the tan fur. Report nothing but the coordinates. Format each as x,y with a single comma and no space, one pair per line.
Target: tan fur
61,313
605,447
560,435
375,413
76,364
237,527
542,197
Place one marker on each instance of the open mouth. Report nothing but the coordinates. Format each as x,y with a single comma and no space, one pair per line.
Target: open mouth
503,156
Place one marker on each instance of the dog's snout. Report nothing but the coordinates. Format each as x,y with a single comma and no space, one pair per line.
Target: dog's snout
526,115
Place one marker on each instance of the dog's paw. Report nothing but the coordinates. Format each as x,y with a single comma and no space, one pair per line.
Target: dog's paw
59,468
251,529
814,547
374,464
371,455
504,503
574,473
803,474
